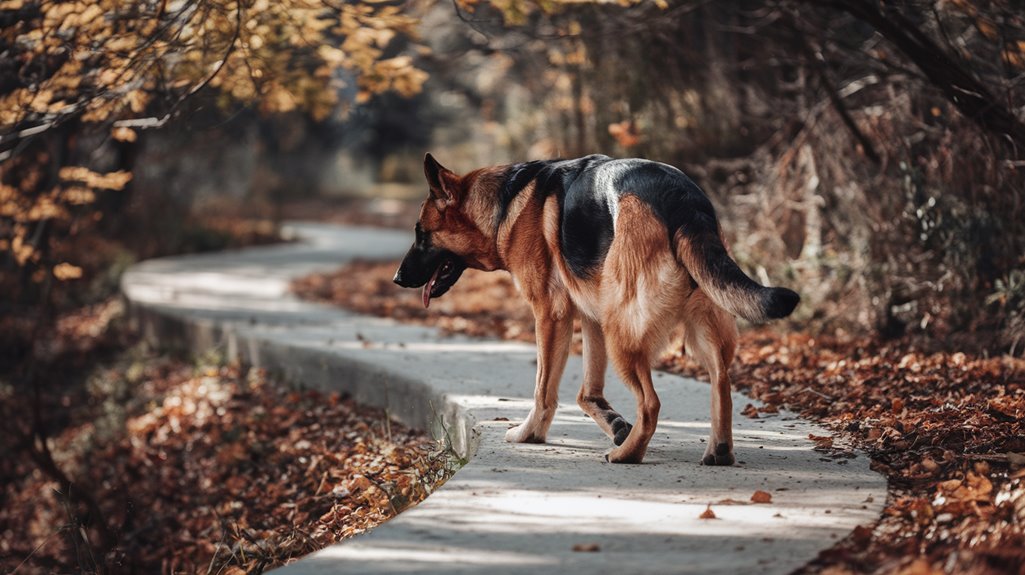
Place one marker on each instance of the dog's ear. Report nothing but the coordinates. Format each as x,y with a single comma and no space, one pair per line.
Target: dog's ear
442,181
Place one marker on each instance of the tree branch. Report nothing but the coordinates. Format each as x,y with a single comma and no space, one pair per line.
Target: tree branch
818,64
971,97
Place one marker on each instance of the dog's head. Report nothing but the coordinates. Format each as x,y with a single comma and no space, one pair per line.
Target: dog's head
447,241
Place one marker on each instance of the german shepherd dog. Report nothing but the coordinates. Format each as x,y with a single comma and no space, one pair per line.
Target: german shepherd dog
631,246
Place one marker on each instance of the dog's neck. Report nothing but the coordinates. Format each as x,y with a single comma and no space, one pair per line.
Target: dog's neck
522,215
478,210
497,219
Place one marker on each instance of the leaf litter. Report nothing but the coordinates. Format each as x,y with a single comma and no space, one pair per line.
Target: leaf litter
947,429
208,469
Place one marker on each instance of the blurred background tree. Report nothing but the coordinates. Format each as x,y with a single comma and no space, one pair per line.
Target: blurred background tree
870,151
80,80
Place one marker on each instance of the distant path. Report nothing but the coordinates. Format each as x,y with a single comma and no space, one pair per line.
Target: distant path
513,508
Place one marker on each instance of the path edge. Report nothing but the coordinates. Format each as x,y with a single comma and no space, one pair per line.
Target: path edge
367,383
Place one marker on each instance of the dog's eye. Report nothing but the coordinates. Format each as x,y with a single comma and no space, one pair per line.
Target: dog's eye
447,266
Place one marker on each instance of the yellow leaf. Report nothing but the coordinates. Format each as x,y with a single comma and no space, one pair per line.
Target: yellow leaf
123,134
22,250
122,43
331,55
65,271
108,181
98,111
78,196
137,100
45,209
8,193
42,100
987,28
1014,58
69,173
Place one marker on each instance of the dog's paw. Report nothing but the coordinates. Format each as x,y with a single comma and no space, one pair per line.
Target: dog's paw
721,455
523,433
620,430
620,455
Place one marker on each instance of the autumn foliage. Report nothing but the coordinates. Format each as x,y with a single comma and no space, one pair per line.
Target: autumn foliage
79,80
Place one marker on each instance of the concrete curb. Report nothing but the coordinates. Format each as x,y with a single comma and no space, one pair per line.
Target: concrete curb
513,508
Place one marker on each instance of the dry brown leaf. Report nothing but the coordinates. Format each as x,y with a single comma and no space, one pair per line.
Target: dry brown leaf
760,496
586,547
919,566
821,441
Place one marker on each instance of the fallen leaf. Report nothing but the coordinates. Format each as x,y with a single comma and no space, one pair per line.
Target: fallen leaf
822,442
919,566
707,513
761,497
587,548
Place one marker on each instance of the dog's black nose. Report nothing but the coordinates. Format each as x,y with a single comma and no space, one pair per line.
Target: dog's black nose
398,278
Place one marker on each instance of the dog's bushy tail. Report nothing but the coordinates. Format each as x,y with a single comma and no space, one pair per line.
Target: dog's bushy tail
702,251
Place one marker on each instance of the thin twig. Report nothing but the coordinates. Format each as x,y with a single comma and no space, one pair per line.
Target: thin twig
38,547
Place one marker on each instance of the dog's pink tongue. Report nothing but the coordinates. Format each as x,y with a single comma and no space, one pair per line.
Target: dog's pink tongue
429,286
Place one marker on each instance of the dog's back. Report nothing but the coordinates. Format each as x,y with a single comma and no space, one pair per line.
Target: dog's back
590,192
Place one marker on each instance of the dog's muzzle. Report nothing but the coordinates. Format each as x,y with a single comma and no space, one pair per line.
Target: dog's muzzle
435,270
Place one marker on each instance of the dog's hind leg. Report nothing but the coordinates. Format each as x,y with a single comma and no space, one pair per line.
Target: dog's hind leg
642,287
554,335
591,398
710,336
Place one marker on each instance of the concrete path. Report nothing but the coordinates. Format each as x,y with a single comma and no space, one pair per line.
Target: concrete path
513,508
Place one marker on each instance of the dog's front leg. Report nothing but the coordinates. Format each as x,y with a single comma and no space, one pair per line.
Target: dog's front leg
591,398
554,334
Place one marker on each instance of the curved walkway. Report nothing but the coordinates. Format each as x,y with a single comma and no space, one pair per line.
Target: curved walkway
513,508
